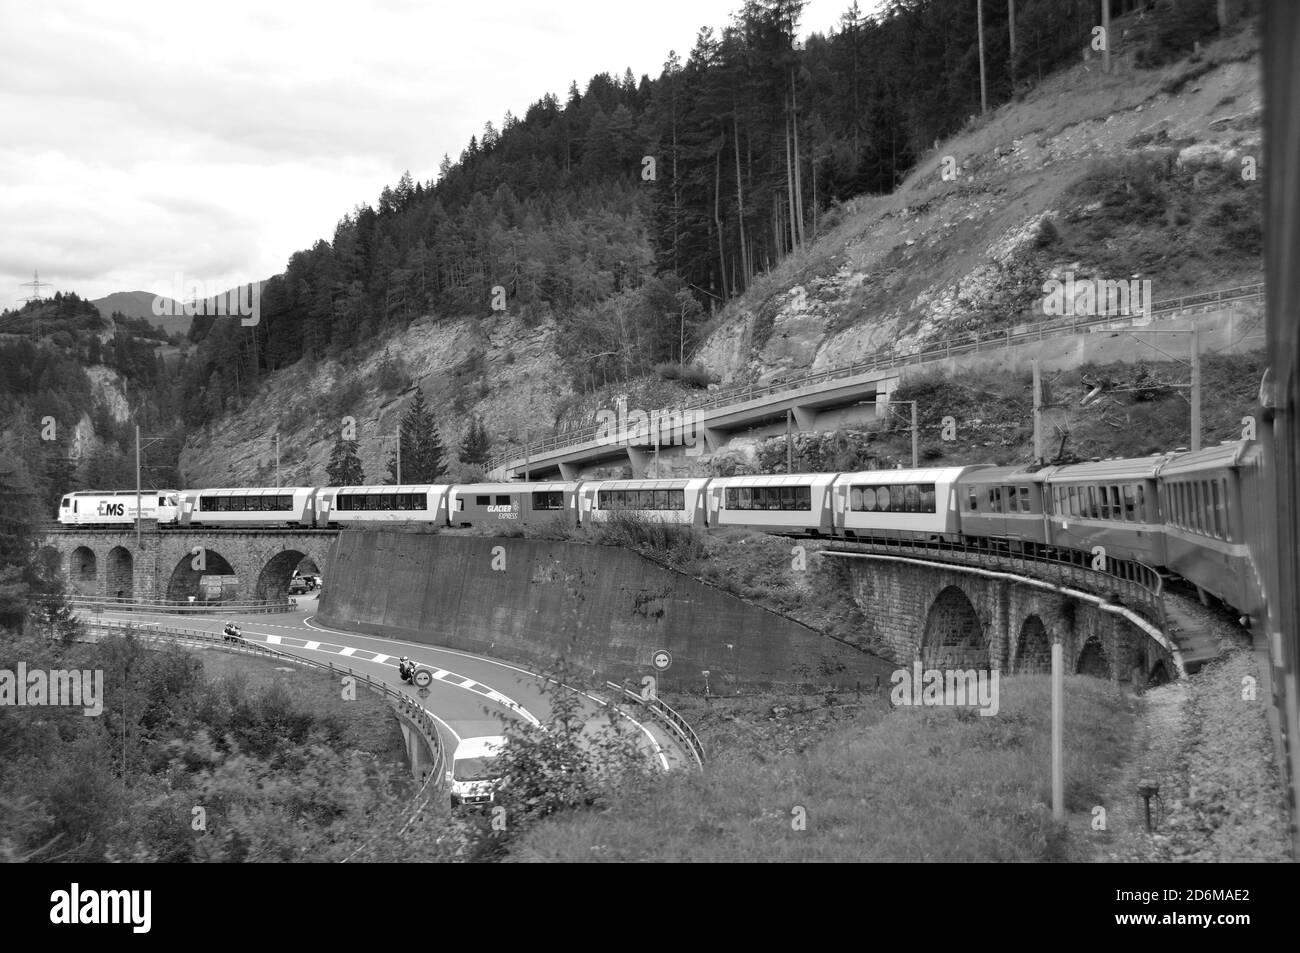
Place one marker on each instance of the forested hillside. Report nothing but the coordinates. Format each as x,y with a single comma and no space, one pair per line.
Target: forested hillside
72,388
632,209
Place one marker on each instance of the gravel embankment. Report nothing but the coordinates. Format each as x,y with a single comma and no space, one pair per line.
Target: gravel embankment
1211,752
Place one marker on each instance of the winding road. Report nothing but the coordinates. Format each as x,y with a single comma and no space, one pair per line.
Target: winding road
469,696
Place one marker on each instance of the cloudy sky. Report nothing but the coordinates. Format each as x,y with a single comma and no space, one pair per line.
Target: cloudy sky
144,140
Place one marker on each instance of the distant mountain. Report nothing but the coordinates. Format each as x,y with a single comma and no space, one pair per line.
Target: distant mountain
139,304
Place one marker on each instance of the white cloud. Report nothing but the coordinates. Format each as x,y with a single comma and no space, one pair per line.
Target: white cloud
147,138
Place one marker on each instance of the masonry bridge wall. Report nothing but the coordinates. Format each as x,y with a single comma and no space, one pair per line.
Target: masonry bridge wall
169,565
956,618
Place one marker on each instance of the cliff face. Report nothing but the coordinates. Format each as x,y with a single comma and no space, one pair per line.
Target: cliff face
964,244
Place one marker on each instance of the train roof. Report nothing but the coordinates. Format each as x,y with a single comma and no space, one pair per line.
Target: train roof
928,475
1019,473
512,487
250,490
1226,455
649,484
404,488
1140,468
785,479
142,492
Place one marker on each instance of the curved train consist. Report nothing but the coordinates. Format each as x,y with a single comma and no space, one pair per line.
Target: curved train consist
1195,515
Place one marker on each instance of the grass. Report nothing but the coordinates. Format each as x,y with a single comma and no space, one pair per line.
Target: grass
911,784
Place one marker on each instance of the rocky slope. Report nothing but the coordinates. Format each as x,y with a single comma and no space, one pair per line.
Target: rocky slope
936,258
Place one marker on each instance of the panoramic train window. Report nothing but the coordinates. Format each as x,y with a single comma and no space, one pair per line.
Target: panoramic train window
503,500
356,502
240,504
548,500
895,498
643,500
482,501
767,498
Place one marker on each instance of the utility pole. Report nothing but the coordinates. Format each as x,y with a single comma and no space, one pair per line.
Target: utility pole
979,18
1196,388
1105,36
914,436
277,461
789,442
1058,731
137,530
1038,414
138,491
399,453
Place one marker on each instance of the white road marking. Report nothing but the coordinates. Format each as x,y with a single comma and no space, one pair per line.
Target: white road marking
654,742
272,640
348,651
312,646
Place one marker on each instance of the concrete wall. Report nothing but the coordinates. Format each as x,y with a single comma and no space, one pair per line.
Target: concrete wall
606,609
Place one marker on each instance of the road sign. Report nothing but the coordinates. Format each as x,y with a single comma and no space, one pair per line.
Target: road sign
423,677
662,660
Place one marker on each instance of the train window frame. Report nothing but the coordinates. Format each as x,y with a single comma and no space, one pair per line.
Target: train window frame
1026,504
1214,510
548,501
1130,503
1116,504
1198,508
482,499
973,497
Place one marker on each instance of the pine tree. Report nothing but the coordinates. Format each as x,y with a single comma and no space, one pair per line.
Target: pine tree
477,444
421,447
344,468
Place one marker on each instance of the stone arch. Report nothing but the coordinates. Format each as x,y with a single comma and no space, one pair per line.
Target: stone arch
1093,660
184,579
1033,648
119,574
954,636
83,571
273,580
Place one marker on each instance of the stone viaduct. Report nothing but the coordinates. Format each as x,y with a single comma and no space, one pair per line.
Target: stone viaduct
168,564
964,617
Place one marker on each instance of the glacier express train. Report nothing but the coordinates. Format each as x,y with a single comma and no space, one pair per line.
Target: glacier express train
1195,515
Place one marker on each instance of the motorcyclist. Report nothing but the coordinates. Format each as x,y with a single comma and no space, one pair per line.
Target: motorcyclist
404,667
231,631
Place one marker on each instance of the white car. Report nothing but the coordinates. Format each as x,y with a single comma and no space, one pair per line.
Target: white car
473,776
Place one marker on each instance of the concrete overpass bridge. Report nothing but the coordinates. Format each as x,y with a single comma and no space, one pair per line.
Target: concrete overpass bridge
1228,321
167,564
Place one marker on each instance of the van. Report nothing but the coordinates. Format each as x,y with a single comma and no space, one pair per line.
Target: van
473,776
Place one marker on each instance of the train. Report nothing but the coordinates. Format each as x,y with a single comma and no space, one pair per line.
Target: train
1193,515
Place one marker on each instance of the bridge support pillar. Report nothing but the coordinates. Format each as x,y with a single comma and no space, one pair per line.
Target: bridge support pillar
568,471
640,461
805,418
714,439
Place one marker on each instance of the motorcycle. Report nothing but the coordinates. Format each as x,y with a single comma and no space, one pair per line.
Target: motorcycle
232,633
406,670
